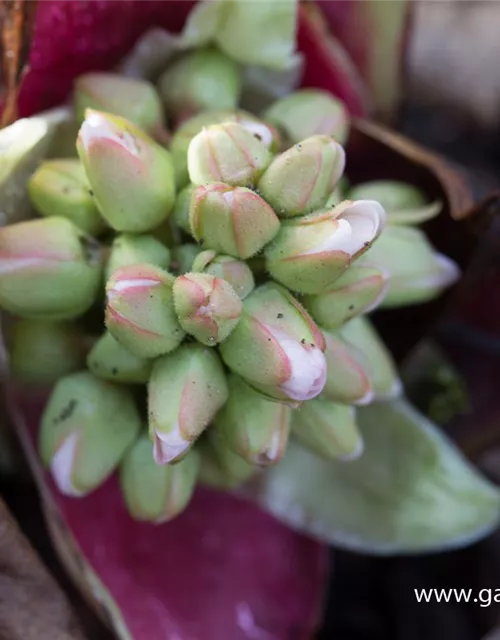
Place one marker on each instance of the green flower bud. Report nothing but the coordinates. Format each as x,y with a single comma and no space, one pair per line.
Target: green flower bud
186,389
227,153
207,307
232,220
360,333
417,273
183,257
276,346
310,253
359,290
301,179
403,203
236,272
348,372
60,188
181,209
109,360
328,429
152,492
253,426
181,139
140,310
200,80
130,98
221,468
131,176
128,249
49,269
41,352
310,112
87,426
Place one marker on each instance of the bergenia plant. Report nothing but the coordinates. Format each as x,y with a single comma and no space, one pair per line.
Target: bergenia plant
194,278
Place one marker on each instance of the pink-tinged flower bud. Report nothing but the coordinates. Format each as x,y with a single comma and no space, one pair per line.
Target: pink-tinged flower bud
131,176
200,80
140,310
183,257
227,153
276,346
236,272
360,333
310,253
253,426
186,389
41,352
87,426
232,220
49,269
403,203
301,179
221,468
182,206
129,249
348,372
207,307
182,137
108,359
310,112
156,493
359,290
131,98
60,188
417,273
328,429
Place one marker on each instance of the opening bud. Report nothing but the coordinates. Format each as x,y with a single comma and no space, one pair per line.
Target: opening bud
310,253
131,176
140,310
185,391
86,428
276,346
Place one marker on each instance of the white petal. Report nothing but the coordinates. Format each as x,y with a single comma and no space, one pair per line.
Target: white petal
169,446
96,127
61,466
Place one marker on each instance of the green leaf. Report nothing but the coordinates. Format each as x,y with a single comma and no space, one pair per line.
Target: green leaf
411,491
